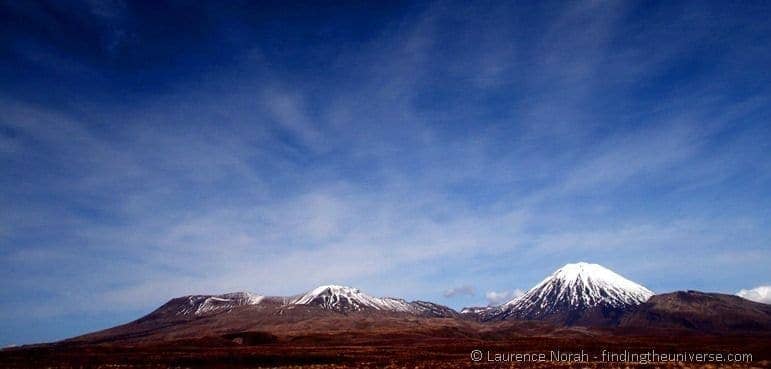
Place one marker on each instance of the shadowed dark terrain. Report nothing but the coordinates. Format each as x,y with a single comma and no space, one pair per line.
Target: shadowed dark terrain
375,350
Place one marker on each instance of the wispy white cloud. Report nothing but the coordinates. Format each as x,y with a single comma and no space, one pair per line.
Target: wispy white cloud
465,290
495,298
289,111
760,294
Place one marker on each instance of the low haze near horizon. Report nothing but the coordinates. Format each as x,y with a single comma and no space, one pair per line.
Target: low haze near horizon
441,151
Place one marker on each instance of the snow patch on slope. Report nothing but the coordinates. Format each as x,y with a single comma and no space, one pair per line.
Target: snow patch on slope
343,298
204,304
475,309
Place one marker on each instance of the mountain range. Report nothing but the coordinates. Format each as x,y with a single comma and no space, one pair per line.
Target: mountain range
575,297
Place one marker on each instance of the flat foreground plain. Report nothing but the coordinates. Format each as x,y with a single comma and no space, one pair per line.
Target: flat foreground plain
383,352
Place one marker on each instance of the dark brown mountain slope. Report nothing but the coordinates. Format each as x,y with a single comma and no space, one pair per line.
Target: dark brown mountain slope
705,312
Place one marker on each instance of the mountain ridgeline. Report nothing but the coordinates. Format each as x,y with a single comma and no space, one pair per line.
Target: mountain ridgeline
576,295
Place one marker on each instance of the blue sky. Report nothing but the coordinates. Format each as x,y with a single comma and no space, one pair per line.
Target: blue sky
442,151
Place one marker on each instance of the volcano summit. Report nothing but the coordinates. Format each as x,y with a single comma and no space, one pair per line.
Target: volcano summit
580,293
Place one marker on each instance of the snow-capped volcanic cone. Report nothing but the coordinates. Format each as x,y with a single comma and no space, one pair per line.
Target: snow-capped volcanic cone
579,293
345,299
